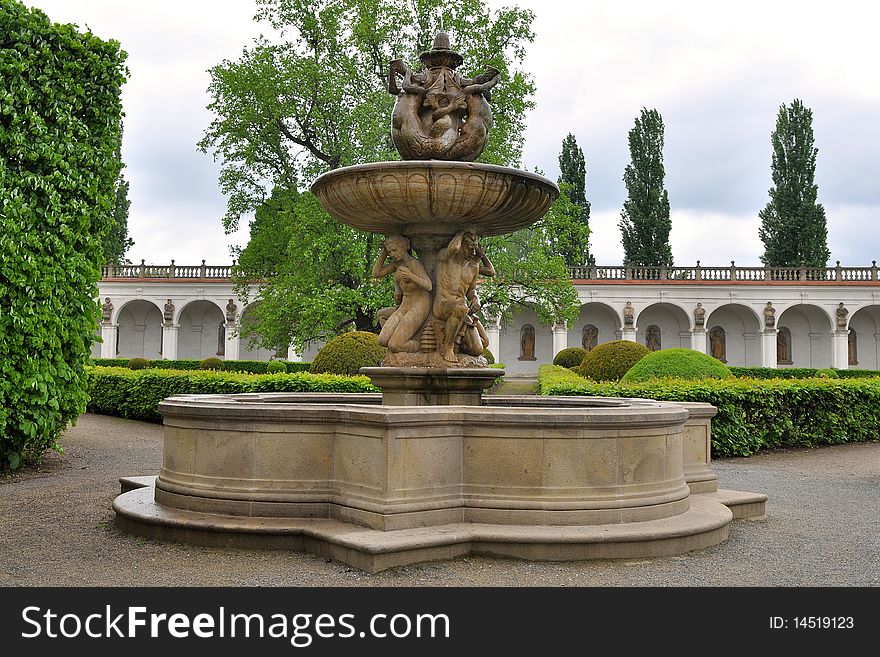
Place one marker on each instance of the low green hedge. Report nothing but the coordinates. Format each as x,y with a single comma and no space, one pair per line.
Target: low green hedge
753,414
250,366
798,373
136,394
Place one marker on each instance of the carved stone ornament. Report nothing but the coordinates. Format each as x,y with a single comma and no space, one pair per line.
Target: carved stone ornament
168,314
439,115
106,310
769,316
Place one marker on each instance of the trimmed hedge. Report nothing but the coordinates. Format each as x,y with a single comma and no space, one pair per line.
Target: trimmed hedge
347,353
249,366
609,361
753,414
136,394
798,373
570,357
678,363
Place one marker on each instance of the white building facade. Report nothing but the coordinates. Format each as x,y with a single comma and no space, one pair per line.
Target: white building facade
746,316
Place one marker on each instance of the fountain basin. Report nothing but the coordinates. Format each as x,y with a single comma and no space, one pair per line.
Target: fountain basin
433,197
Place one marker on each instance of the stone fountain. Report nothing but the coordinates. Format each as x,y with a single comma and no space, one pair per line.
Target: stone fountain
431,468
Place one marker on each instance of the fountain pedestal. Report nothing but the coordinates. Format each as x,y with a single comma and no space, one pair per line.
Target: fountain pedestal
431,386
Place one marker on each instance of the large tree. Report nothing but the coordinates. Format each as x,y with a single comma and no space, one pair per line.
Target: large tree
287,112
569,218
793,226
117,242
644,221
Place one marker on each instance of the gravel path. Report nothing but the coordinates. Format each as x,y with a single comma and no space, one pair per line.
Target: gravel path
57,529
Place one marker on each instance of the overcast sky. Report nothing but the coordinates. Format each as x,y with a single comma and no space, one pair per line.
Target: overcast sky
716,72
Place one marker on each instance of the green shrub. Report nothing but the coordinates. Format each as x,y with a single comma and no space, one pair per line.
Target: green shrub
211,364
138,363
347,353
609,361
570,357
753,414
275,366
60,131
136,395
490,358
798,373
827,373
677,363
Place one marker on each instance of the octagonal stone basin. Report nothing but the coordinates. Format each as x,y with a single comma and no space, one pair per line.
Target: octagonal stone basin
434,197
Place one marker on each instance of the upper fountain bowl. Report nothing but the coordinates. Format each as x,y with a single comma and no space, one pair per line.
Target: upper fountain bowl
434,197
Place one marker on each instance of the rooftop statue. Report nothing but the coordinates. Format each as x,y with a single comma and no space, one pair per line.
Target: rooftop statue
439,115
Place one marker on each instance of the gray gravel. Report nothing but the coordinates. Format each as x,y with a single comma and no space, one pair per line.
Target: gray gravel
57,529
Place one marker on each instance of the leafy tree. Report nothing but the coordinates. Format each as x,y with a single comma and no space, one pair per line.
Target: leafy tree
570,236
287,112
59,132
793,226
644,222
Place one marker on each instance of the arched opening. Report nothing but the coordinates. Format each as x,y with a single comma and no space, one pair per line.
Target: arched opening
809,334
864,338
741,329
139,333
202,331
666,324
511,344
246,352
597,323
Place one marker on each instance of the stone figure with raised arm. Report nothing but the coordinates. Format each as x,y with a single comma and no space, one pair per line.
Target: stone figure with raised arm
414,286
459,266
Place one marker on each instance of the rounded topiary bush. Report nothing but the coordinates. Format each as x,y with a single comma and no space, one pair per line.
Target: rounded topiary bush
137,363
677,363
490,358
348,353
609,361
827,373
570,357
211,364
276,366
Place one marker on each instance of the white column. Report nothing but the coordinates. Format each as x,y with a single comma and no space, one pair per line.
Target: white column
768,348
698,340
560,337
233,343
293,355
493,331
109,332
169,342
840,350
628,333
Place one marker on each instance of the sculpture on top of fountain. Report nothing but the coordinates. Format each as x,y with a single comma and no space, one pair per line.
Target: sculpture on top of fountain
439,115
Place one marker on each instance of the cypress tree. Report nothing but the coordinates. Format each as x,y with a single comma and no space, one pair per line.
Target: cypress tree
644,221
793,225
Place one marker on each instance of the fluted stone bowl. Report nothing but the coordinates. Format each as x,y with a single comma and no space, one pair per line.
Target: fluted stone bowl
434,197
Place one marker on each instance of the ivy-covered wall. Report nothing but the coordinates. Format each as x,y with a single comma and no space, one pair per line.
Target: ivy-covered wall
60,122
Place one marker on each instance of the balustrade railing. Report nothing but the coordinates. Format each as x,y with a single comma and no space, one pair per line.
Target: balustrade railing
586,272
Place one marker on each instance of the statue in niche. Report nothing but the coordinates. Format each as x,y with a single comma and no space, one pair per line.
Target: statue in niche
527,343
459,266
168,314
852,347
412,293
628,313
842,312
231,310
106,311
652,337
590,337
699,316
769,316
221,339
718,343
783,346
439,115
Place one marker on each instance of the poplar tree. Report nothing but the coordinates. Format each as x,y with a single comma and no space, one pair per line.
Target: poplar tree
572,219
644,221
793,226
